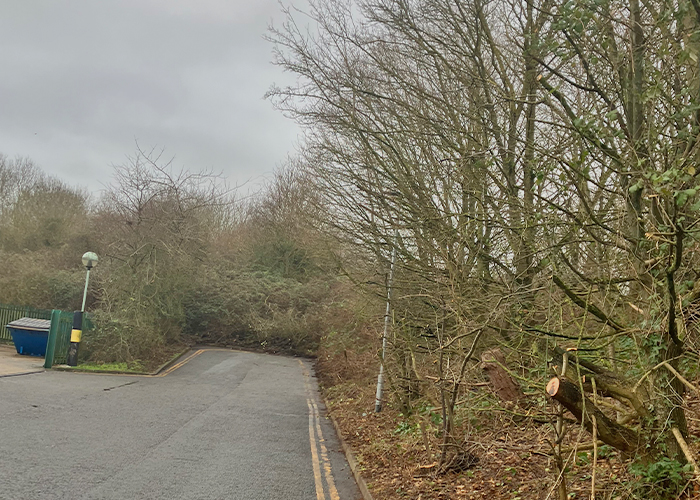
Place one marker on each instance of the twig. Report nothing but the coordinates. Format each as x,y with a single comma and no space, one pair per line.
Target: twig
686,449
587,306
681,378
583,447
652,370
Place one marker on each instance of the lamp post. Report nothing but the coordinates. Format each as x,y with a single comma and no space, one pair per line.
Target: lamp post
89,261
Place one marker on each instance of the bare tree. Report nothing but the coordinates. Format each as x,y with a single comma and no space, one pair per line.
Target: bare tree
542,154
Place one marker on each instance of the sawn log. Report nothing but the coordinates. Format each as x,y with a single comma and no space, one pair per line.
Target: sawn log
609,431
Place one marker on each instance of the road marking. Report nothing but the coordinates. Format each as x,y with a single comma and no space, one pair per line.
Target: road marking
314,432
181,363
320,495
324,456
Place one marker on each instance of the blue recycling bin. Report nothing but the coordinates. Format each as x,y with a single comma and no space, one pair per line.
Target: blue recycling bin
30,335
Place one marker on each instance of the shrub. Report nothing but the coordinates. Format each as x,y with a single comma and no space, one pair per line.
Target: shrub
662,479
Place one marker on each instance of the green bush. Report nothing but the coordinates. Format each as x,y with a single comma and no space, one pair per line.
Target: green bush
661,480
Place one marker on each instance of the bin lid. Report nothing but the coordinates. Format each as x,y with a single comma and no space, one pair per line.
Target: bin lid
31,324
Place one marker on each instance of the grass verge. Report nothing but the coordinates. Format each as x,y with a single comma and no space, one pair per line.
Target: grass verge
135,368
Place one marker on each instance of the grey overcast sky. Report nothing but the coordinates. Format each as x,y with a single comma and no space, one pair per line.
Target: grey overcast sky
82,80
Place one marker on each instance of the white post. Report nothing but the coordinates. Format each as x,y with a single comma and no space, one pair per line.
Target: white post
387,322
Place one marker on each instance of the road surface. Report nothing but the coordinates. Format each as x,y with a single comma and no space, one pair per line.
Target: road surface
222,425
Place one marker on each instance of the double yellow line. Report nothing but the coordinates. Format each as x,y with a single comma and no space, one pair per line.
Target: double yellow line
319,452
180,363
320,460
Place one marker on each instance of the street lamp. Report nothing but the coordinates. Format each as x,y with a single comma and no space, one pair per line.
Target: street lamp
89,261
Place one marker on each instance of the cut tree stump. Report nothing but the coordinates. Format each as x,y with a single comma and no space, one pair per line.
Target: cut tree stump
610,432
493,362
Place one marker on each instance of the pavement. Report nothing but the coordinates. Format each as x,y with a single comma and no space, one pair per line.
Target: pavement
12,363
222,425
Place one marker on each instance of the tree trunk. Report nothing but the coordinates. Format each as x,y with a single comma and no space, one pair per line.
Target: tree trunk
610,432
494,362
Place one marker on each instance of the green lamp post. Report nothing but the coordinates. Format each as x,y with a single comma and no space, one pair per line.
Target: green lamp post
89,261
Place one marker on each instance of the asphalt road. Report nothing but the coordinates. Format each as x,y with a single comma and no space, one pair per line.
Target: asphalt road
223,425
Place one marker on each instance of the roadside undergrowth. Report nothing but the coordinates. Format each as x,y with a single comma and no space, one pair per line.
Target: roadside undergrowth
509,448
